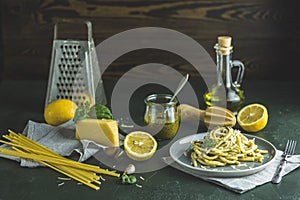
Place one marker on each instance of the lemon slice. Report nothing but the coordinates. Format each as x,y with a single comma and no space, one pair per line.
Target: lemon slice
253,117
140,145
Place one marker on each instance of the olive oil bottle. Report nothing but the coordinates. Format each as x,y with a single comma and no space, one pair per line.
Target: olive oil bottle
226,92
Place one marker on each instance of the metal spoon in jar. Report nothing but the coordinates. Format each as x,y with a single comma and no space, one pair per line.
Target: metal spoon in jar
180,86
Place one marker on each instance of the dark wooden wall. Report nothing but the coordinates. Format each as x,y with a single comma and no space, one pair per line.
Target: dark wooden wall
265,32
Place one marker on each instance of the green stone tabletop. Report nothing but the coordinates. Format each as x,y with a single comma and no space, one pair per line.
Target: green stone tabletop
24,100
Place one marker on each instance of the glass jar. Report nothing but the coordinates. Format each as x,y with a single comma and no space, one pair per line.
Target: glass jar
161,115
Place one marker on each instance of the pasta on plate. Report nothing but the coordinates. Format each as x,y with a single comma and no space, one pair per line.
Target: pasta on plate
225,146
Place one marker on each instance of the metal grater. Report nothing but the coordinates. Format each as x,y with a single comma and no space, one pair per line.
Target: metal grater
74,71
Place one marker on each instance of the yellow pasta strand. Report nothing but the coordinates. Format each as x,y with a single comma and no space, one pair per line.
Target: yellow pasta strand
26,148
66,171
54,154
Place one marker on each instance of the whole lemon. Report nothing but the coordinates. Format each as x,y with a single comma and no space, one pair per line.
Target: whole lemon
59,111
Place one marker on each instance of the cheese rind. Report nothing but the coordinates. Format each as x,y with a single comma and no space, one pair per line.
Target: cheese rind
101,131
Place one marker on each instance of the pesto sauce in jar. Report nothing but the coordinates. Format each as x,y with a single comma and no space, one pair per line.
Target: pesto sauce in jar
168,130
161,116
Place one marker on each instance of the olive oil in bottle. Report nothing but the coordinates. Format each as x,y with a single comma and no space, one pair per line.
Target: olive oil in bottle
226,92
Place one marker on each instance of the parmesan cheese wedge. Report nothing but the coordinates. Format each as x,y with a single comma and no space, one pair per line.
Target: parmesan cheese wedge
101,131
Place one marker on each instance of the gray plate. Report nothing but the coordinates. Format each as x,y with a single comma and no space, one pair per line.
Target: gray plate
178,149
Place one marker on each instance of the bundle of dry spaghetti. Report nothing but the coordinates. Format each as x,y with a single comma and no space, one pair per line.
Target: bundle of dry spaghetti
223,146
24,147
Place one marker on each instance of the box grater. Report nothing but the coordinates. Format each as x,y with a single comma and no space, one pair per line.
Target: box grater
74,71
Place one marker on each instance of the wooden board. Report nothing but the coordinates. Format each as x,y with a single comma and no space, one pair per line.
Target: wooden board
263,37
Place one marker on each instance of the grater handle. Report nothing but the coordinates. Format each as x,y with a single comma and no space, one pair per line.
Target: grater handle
73,21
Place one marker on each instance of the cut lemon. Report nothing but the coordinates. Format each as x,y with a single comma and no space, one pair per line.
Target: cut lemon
140,145
253,117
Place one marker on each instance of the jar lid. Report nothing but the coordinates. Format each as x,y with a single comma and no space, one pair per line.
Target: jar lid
160,99
224,41
224,45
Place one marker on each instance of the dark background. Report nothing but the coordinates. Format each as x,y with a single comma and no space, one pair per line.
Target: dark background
265,32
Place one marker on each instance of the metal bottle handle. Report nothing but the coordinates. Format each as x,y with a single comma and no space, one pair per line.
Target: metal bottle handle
240,73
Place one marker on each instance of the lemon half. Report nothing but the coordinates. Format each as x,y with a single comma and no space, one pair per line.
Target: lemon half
253,117
140,145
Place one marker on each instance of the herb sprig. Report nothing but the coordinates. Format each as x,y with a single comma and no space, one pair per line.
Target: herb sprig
97,111
209,142
82,112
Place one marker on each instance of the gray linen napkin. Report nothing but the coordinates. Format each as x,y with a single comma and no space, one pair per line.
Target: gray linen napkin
60,139
245,183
